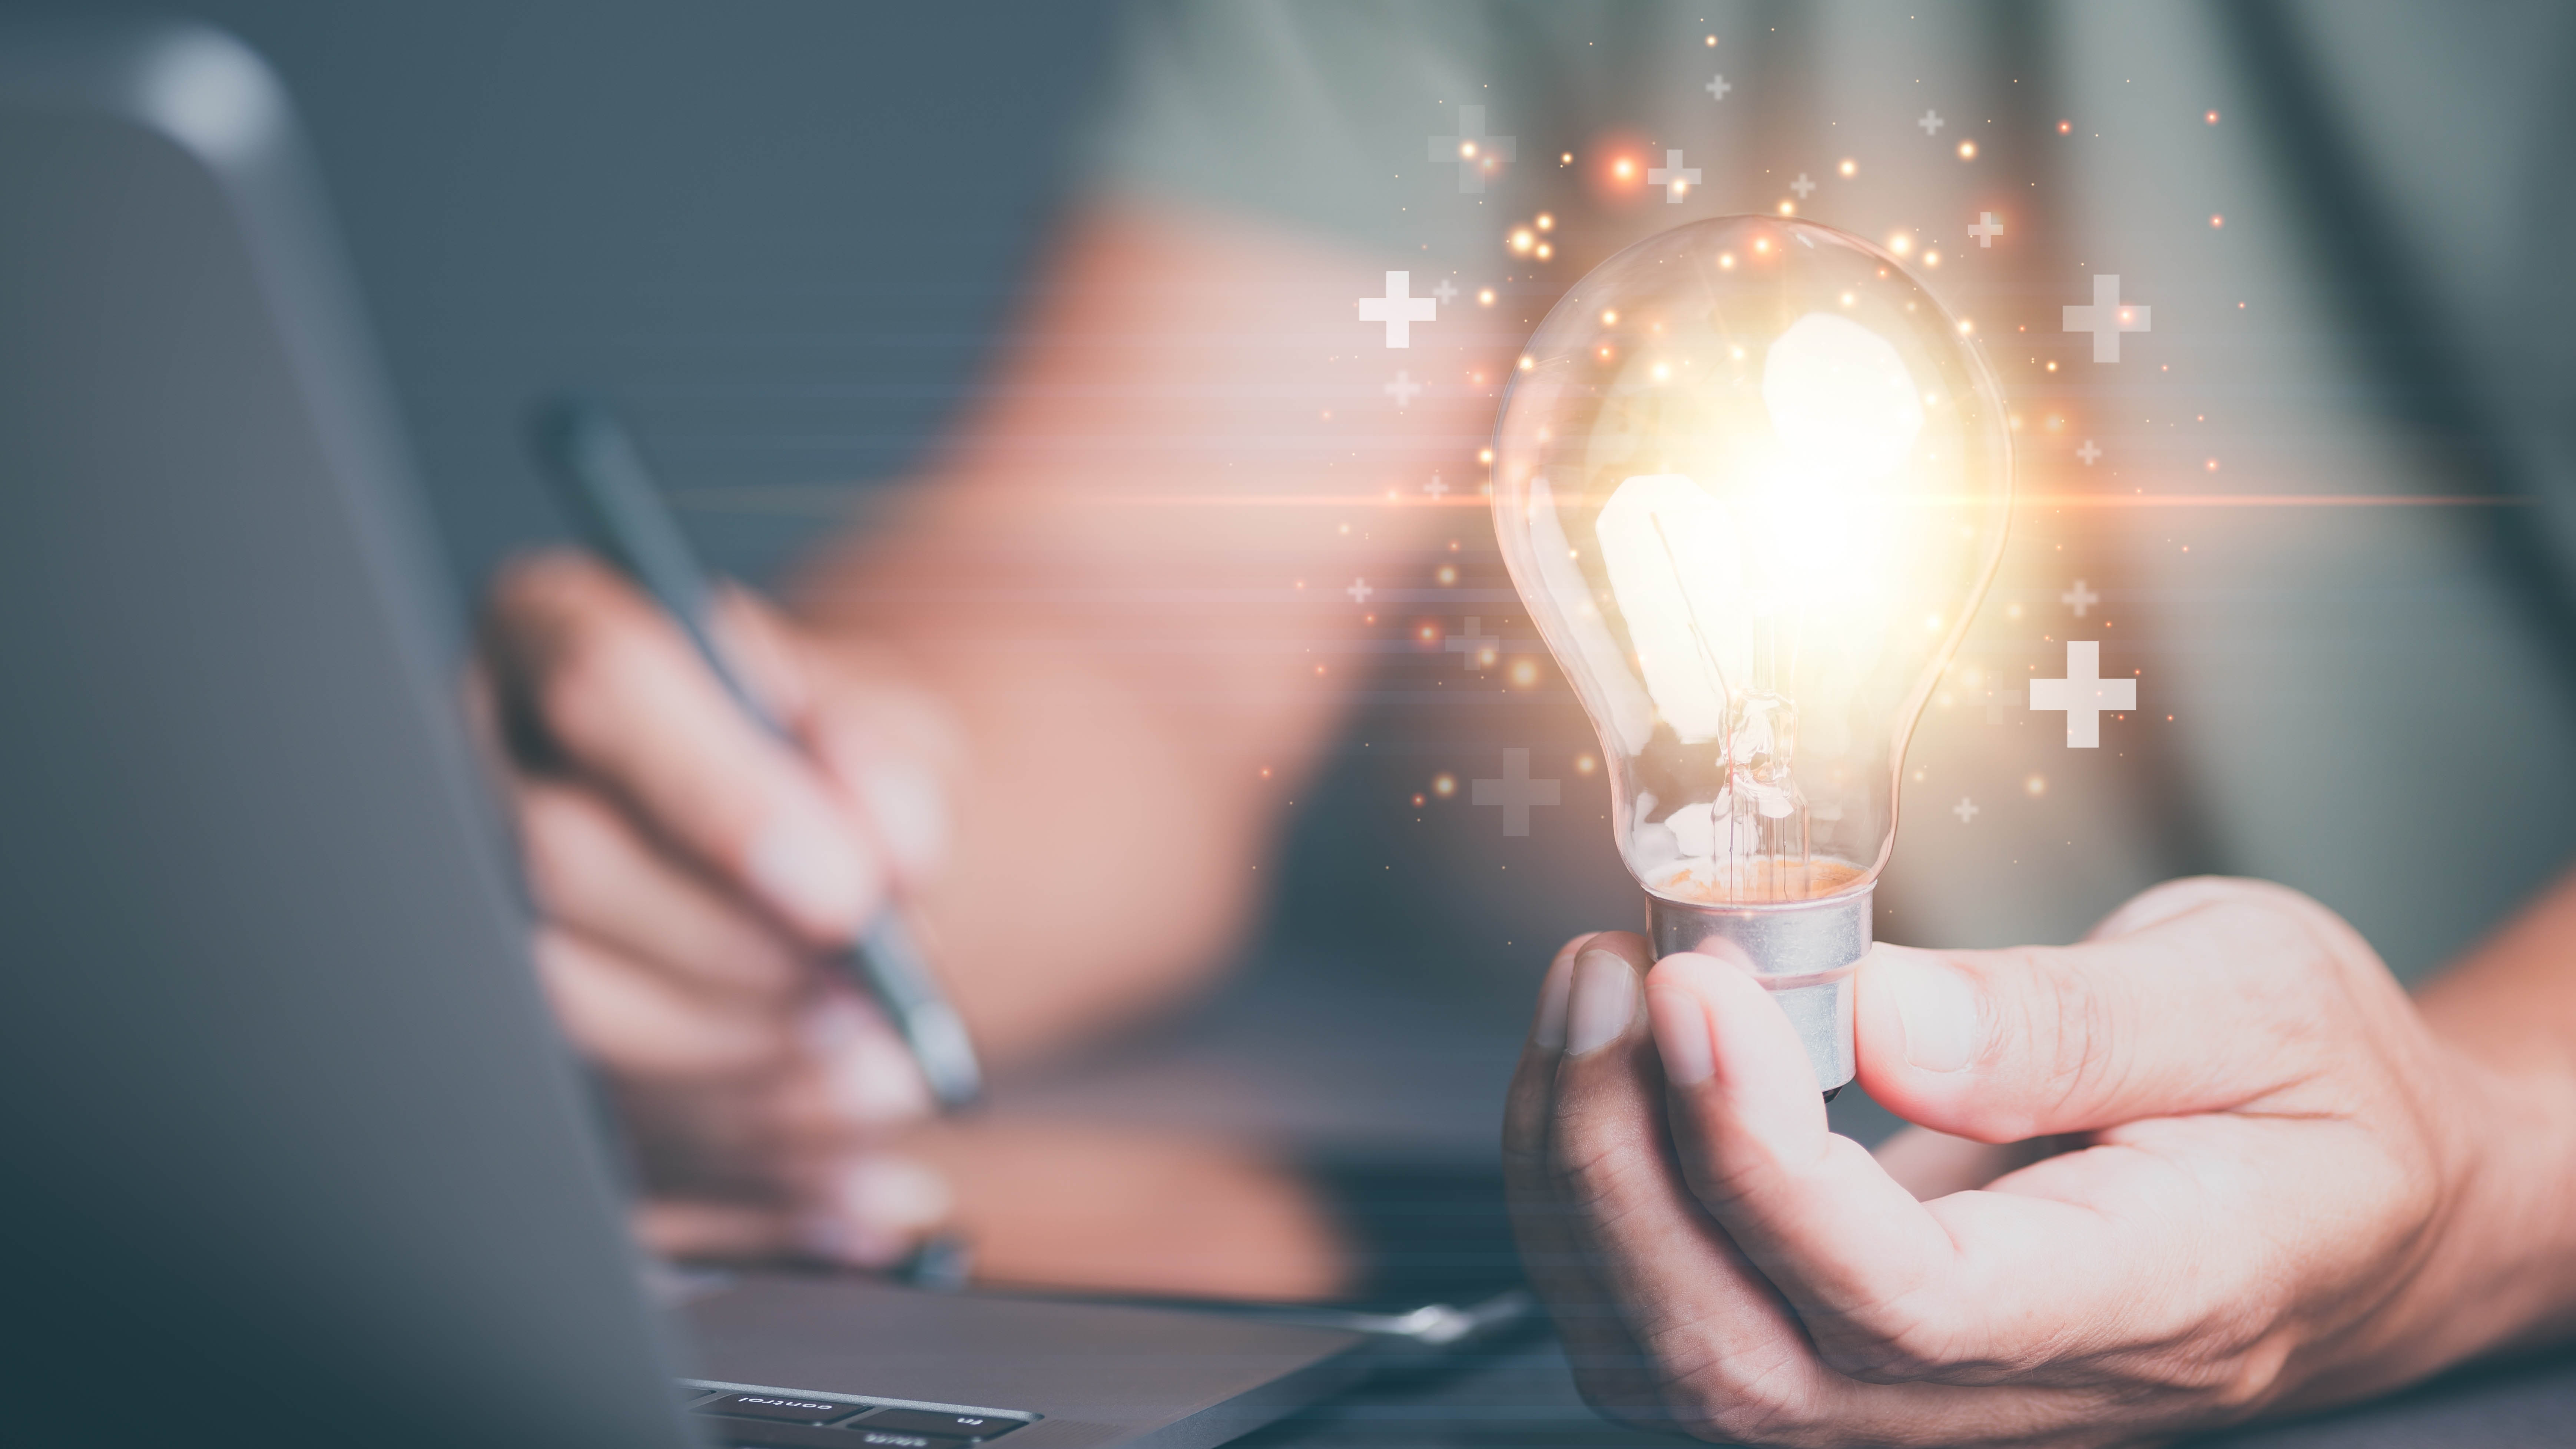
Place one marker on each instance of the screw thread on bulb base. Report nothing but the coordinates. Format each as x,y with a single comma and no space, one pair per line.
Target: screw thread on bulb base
1804,954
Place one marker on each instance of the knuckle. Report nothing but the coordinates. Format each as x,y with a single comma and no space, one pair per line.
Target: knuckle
1894,1340
1762,1404
589,672
2084,1050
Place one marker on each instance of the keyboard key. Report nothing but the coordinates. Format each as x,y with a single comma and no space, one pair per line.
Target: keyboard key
894,1439
954,1426
778,1407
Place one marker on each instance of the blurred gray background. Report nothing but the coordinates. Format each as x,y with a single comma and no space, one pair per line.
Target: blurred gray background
782,235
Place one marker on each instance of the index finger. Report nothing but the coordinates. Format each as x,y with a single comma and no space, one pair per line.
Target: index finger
613,688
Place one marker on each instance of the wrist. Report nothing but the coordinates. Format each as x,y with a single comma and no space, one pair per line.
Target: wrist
2502,1271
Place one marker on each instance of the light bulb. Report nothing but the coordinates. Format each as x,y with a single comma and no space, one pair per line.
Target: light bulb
1751,517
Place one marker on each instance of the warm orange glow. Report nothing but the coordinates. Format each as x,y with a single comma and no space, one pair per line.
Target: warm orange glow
1849,167
1967,150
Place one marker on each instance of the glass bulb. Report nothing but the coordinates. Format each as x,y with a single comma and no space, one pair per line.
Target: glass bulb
1751,480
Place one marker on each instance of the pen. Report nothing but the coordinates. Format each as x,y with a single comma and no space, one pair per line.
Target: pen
595,464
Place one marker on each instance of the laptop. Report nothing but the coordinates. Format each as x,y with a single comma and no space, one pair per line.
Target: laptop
293,1153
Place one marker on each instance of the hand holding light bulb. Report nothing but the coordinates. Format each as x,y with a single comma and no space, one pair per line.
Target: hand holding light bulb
2207,1164
1751,482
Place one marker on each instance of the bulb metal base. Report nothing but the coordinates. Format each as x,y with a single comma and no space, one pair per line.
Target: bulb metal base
1802,952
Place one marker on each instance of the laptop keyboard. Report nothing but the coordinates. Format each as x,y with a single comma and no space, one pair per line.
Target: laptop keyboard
742,1418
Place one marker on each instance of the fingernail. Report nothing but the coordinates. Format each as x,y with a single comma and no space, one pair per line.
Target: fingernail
1682,1035
868,1073
894,1192
877,1210
1604,1001
1938,1008
1548,1031
809,868
910,812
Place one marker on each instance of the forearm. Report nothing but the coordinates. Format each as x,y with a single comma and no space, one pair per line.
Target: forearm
1128,577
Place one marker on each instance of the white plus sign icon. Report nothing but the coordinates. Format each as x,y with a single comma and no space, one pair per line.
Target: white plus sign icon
1477,155
1966,809
1987,228
1717,88
1359,591
1446,292
1805,186
2106,319
2090,453
2084,694
1674,177
1480,649
1404,389
2079,598
1435,487
1516,792
1399,309
1930,121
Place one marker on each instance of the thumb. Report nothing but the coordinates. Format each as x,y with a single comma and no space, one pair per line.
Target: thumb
2197,1011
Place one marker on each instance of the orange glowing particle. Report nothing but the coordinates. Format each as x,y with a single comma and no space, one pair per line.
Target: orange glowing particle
1930,259
1899,243
1762,244
1849,167
1444,786
1966,326
2210,116
2052,367
1485,297
1585,764
1788,207
1521,240
1967,150
1467,149
2065,127
1484,455
1526,364
1448,574
2215,220
1726,261
1417,802
1566,159
2211,465
1546,222
1609,318
1524,673
1625,169
1545,251
2035,785
1265,772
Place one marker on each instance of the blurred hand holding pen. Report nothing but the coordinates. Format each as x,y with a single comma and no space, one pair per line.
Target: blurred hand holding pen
595,464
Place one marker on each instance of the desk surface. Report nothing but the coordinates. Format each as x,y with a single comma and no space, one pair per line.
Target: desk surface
1526,1397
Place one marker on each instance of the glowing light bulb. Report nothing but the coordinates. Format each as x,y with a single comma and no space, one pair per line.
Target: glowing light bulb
1752,549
